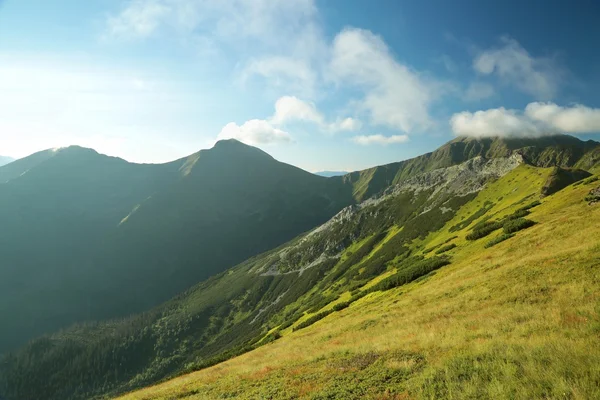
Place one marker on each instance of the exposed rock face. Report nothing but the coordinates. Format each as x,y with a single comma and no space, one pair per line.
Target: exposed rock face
594,196
433,189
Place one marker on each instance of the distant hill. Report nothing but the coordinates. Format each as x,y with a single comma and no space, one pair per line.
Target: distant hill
329,174
445,207
5,160
87,236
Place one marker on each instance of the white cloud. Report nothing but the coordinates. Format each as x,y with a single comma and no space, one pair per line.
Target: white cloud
346,124
479,91
254,132
292,109
396,96
380,139
538,119
537,76
574,119
494,122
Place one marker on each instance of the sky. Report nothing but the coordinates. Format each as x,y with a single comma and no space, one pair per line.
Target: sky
324,85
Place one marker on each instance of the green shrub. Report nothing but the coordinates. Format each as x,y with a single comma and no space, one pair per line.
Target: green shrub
520,213
531,205
590,180
484,230
446,248
477,214
341,306
414,269
358,296
312,320
516,225
499,239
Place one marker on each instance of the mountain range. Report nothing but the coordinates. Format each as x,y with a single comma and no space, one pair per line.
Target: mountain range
329,174
228,249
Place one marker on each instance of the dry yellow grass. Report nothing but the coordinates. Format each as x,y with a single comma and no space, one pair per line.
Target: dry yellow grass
520,320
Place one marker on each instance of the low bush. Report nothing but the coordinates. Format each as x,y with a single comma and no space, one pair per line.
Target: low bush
414,269
445,248
499,239
341,306
312,320
520,213
531,205
484,230
516,225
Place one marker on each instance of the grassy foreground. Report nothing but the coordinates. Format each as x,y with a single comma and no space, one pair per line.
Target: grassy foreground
519,320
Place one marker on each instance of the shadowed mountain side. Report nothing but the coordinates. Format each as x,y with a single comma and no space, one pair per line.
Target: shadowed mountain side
87,237
231,202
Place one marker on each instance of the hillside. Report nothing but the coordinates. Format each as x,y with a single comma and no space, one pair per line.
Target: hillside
404,233
88,237
407,231
518,320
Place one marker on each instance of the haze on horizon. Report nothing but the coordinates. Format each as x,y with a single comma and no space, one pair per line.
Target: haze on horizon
318,84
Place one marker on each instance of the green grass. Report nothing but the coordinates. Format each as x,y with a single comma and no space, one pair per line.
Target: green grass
518,321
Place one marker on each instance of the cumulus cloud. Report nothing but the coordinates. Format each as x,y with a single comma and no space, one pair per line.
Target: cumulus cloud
479,91
380,139
290,109
254,132
538,119
537,76
494,122
395,95
574,119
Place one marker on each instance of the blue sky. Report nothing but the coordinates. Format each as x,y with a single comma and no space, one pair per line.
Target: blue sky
325,85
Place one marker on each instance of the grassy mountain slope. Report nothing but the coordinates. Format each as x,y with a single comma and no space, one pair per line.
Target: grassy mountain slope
518,320
284,289
87,237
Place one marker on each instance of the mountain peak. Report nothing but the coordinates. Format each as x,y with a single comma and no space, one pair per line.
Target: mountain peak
235,147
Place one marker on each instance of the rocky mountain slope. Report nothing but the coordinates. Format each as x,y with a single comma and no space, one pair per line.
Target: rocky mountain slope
560,150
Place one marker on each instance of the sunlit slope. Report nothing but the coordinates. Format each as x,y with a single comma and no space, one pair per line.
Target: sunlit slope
520,319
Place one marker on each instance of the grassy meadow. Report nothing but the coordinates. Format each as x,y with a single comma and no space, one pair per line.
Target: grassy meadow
518,320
